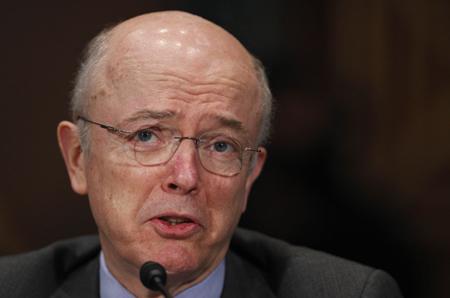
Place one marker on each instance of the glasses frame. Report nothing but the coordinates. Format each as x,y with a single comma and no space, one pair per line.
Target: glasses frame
113,129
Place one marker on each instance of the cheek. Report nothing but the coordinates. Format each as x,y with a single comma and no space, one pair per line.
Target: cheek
117,192
226,201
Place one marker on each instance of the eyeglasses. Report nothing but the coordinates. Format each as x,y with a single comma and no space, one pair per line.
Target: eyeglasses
220,153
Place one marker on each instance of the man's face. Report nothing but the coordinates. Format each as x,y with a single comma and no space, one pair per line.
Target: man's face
195,91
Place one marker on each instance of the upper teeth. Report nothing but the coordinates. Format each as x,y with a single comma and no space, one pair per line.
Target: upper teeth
174,220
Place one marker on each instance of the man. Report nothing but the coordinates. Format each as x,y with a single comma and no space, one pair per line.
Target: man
169,112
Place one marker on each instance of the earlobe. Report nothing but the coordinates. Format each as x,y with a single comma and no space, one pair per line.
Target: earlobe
69,143
261,159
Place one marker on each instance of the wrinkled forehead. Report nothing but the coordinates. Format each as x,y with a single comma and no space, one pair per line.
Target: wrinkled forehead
145,55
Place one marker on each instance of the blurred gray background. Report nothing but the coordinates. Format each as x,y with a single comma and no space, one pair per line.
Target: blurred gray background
359,165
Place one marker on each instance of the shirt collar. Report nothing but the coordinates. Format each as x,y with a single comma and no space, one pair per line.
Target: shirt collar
210,287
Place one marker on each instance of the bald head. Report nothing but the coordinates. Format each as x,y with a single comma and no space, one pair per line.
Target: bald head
183,35
170,39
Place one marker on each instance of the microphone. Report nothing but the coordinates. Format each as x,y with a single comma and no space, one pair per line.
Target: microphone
154,277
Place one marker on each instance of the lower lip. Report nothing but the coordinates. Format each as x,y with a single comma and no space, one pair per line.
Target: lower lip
182,230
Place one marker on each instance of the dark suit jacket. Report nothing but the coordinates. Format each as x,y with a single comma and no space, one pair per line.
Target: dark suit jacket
256,266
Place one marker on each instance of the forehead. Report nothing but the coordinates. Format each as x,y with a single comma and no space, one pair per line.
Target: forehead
178,70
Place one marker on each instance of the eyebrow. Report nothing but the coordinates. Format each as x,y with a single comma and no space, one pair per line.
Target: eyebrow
231,123
147,114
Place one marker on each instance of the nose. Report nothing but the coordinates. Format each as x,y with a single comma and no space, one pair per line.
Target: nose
183,173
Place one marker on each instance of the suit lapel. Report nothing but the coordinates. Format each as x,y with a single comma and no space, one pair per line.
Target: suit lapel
243,279
82,283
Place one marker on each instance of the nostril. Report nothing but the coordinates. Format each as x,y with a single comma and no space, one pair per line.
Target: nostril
173,186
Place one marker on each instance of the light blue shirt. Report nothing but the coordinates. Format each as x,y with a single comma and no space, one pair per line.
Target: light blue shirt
210,287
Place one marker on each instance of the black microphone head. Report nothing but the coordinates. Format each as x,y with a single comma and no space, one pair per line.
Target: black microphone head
151,274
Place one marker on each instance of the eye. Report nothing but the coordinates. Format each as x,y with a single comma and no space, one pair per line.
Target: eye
219,145
222,147
145,136
150,144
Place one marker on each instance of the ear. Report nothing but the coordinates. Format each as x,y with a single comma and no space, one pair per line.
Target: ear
254,173
69,143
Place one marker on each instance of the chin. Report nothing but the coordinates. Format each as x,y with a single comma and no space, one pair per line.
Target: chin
177,259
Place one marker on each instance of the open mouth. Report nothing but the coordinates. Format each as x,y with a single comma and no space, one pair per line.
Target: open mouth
175,220
176,226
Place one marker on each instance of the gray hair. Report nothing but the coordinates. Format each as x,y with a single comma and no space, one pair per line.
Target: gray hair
84,84
265,128
81,95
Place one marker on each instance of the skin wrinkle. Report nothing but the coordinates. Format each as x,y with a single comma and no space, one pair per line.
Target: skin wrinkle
194,81
234,124
230,94
147,114
229,86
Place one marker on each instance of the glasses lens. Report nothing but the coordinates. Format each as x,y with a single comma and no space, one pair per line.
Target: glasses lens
152,157
151,145
221,153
